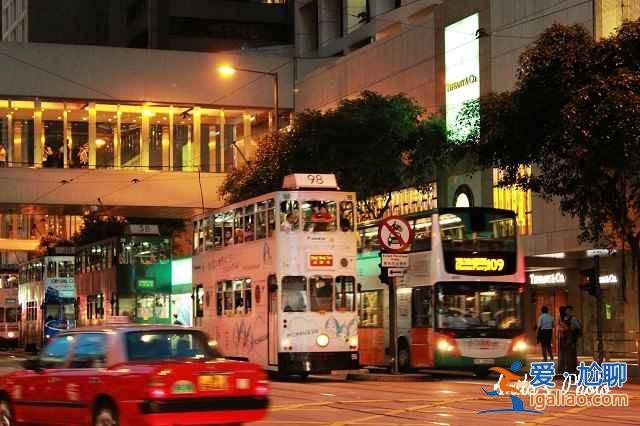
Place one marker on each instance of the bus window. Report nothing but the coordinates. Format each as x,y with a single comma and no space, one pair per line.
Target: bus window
370,309
319,216
321,293
294,294
346,216
345,294
228,298
11,314
289,216
219,298
261,220
422,234
238,221
421,300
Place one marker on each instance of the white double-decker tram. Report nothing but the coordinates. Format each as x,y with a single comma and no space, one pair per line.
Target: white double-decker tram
274,277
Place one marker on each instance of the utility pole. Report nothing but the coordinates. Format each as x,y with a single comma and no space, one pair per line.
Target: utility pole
596,270
393,323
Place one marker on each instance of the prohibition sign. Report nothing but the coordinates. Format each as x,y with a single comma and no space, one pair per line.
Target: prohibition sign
395,234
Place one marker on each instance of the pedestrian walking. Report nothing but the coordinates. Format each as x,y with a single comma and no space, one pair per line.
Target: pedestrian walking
545,333
570,330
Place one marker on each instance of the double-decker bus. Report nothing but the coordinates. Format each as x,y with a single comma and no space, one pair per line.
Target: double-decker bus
274,277
47,298
9,308
460,302
127,276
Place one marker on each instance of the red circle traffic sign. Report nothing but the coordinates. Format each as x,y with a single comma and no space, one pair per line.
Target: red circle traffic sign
395,234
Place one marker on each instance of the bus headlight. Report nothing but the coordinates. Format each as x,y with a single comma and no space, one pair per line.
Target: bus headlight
322,340
520,346
11,335
444,346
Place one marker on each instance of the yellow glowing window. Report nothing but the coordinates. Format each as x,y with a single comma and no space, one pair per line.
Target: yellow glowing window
511,198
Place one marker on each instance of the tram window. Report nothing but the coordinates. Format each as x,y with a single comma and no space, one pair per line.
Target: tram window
99,303
32,311
238,296
289,216
421,311
346,216
199,301
249,222
195,237
228,298
321,293
271,216
227,222
238,222
2,314
422,234
294,294
51,269
218,230
319,216
261,220
345,294
209,238
219,298
11,314
247,295
115,302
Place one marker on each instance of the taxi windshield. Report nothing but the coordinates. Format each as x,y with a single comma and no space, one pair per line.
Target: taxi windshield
156,345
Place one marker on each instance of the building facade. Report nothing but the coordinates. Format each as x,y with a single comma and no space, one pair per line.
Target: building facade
444,53
195,25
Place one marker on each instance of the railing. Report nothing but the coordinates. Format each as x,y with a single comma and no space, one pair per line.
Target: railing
618,344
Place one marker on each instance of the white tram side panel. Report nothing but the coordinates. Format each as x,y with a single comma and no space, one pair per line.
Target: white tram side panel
238,333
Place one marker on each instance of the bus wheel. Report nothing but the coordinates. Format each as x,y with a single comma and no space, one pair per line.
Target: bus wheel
404,357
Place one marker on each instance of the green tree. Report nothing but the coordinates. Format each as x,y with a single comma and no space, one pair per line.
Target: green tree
575,115
367,142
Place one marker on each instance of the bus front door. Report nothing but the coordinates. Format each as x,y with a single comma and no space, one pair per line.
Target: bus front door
272,285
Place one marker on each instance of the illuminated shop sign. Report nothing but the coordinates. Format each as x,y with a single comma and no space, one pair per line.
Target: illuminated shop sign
548,278
608,279
149,284
320,260
479,264
462,70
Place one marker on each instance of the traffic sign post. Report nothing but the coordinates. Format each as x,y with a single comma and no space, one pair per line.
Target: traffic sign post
395,236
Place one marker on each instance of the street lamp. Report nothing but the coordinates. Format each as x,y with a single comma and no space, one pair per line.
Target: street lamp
227,71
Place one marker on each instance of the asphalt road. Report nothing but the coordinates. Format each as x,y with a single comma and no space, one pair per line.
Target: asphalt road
450,401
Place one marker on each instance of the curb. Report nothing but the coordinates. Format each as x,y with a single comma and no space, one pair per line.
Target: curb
367,377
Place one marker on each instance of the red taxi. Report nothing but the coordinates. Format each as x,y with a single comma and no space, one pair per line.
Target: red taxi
133,375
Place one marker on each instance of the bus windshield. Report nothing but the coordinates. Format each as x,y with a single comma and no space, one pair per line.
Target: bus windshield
479,306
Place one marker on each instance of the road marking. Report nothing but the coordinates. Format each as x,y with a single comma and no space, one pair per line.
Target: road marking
327,394
398,411
555,416
294,406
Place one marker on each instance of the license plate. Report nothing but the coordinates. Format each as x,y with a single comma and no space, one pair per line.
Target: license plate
212,382
483,361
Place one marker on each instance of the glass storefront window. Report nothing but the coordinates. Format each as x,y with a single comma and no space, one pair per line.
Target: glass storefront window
53,144
370,312
182,143
131,134
104,143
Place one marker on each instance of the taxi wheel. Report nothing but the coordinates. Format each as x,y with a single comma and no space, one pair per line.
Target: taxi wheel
105,415
6,418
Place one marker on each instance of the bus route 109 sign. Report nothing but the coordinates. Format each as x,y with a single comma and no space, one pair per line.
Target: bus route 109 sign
395,234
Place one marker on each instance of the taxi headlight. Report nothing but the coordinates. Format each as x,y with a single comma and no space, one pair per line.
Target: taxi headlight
520,346
444,346
322,340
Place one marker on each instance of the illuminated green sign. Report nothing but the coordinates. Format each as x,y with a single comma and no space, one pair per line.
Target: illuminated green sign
149,284
462,70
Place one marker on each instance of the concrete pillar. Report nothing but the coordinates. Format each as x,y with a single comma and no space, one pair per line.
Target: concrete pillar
171,145
66,137
196,149
117,140
247,145
38,134
222,144
144,143
92,135
213,144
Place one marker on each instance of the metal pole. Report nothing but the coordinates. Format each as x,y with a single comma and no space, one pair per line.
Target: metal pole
393,324
596,269
276,101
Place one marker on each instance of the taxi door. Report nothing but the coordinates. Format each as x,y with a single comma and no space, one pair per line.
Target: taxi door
77,385
32,391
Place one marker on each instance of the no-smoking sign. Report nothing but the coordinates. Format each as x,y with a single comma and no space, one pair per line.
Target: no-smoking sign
395,234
